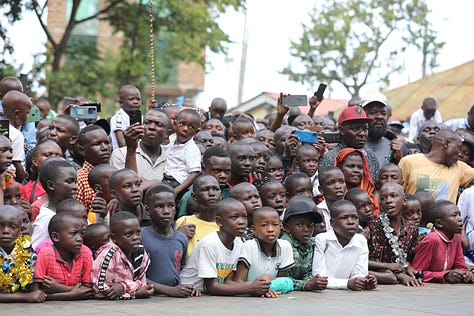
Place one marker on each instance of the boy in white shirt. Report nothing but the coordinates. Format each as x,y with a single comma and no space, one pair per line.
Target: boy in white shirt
341,254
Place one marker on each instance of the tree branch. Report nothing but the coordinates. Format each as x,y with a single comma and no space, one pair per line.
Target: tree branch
43,26
104,10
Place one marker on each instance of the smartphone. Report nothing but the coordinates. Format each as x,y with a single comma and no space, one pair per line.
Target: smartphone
307,137
24,82
5,128
331,137
84,112
319,93
33,115
294,100
93,103
135,116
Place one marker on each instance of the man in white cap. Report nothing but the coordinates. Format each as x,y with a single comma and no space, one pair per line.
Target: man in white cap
386,146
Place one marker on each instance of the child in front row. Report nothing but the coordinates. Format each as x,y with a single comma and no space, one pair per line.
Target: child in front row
64,269
119,271
392,240
412,212
16,285
341,253
299,221
167,247
266,256
439,256
214,260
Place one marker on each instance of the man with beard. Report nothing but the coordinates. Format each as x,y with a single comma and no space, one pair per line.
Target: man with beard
386,146
353,126
146,156
438,172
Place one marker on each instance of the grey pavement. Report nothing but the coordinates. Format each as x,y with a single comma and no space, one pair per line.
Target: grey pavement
431,299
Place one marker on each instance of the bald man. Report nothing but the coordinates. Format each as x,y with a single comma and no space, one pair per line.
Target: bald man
439,171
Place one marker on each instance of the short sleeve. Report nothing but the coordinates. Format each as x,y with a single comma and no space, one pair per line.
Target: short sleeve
41,266
246,254
117,159
207,259
287,255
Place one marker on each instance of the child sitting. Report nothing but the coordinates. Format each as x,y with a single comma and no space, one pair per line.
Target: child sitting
273,194
64,269
266,256
299,184
248,195
392,240
299,223
341,254
17,261
364,206
307,158
412,212
119,271
207,193
212,264
183,158
58,178
96,236
439,256
167,247
125,186
332,185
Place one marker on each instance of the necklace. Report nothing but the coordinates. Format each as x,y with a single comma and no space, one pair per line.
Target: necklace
17,267
398,252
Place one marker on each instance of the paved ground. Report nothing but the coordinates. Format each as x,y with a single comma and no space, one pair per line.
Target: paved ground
432,299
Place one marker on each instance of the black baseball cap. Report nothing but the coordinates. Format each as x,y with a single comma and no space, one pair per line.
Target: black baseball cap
299,208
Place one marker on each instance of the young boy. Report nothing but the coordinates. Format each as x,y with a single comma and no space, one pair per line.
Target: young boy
99,181
129,99
94,146
64,269
298,184
119,271
64,130
266,256
167,247
125,186
426,201
96,236
212,264
58,178
307,158
332,185
248,195
273,194
439,256
299,223
206,192
363,204
412,210
17,260
242,128
71,206
341,254
243,158
183,158
390,172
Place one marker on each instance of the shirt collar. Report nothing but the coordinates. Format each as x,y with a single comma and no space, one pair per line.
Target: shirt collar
276,250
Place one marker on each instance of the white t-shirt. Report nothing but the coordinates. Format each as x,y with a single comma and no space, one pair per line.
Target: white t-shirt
118,122
259,263
181,159
210,260
18,144
40,225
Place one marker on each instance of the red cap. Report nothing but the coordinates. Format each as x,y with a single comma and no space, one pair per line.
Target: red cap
353,113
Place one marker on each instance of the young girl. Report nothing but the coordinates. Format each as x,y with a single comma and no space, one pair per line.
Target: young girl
354,166
274,167
392,240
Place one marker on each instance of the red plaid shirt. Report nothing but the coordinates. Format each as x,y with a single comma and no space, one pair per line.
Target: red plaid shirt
85,193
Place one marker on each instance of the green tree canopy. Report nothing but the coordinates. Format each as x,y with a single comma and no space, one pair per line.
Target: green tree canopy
347,41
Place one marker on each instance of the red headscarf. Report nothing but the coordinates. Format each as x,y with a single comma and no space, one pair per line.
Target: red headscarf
366,184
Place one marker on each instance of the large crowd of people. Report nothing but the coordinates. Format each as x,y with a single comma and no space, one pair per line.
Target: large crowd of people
188,203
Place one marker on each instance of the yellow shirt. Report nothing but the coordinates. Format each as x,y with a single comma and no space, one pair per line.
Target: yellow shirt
202,229
443,182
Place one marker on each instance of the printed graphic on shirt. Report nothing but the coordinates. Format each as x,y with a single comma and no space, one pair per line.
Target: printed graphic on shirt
223,271
437,187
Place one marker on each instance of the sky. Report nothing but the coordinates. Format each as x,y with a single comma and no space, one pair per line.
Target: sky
272,25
